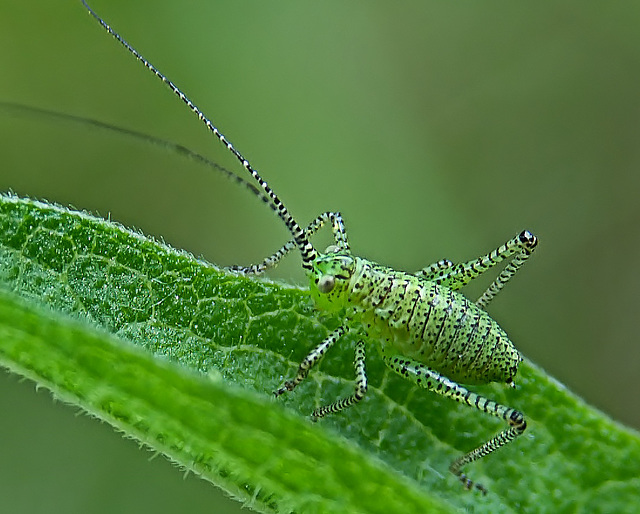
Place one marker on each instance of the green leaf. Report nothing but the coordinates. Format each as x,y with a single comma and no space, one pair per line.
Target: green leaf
184,357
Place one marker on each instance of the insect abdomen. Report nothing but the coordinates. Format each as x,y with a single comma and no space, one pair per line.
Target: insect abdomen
433,325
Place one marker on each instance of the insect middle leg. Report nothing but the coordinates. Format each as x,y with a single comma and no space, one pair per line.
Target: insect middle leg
431,380
339,234
456,276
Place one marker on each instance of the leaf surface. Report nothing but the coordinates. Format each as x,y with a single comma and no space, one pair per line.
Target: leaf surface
184,357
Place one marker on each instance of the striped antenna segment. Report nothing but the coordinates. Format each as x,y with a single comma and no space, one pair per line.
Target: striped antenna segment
307,250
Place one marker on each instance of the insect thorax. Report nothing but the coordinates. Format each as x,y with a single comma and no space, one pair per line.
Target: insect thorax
416,318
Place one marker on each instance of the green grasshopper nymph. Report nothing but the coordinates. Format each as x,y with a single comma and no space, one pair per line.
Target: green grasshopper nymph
429,333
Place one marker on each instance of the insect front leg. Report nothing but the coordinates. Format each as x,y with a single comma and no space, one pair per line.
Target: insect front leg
312,359
456,276
272,261
358,394
431,380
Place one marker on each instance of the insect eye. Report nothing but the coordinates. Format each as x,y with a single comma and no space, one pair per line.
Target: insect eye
326,283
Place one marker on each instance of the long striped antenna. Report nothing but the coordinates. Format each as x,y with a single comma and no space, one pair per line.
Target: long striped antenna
40,114
307,251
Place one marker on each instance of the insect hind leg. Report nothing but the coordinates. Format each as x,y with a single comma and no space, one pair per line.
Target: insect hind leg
339,234
437,270
521,247
431,380
517,426
456,276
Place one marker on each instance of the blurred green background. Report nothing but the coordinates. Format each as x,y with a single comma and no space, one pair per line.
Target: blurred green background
438,129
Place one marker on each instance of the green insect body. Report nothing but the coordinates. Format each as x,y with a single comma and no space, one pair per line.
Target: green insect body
423,320
429,332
